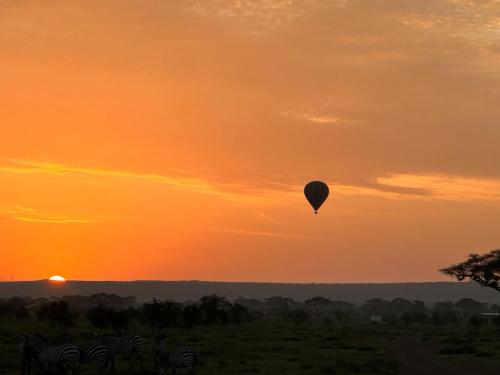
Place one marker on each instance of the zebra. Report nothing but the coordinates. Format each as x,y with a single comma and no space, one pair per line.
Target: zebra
183,358
63,338
47,355
130,344
177,359
159,351
27,354
99,353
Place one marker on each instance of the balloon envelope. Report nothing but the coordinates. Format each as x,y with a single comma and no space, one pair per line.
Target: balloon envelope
316,193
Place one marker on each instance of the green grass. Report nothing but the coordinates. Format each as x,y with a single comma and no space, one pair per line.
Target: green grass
280,347
262,347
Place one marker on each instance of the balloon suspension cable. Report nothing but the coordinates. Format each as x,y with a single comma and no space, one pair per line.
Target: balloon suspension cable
316,212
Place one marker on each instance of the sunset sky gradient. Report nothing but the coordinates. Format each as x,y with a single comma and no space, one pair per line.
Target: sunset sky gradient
169,139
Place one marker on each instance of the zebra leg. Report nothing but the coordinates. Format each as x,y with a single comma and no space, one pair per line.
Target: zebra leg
132,361
101,366
109,362
75,369
112,362
141,362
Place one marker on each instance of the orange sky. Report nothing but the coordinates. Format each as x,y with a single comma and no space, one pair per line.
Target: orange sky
169,139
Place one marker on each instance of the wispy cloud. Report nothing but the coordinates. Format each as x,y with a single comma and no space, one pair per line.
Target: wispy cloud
322,119
32,215
447,187
429,187
51,221
395,186
29,166
225,189
258,233
182,182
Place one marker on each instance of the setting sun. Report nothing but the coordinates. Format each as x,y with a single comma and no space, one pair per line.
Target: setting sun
57,278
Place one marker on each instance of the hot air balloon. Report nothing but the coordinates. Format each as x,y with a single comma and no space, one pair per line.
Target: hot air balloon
316,193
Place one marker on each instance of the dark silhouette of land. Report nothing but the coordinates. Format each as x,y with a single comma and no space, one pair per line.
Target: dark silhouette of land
193,290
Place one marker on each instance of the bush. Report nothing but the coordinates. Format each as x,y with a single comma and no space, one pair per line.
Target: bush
22,313
298,316
477,320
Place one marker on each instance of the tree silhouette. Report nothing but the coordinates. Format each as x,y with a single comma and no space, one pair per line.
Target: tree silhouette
103,317
483,269
238,314
57,313
120,319
190,315
215,309
160,315
469,306
444,313
99,316
318,304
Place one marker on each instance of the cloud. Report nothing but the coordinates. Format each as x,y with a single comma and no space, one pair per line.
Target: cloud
390,186
428,187
380,191
40,167
321,119
222,188
32,215
248,232
445,187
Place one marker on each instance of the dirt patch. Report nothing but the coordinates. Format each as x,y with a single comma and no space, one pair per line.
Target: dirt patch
417,357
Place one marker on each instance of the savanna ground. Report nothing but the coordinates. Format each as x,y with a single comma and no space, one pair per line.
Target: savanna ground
281,347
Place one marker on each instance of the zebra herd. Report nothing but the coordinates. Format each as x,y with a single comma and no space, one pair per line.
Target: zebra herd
177,359
42,355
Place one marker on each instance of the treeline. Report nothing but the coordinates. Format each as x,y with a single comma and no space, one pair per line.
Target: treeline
112,312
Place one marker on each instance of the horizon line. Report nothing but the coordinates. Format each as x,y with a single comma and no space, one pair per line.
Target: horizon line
235,282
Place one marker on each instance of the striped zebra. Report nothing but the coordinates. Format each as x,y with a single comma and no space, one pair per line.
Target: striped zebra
47,355
159,351
126,344
98,353
183,358
178,359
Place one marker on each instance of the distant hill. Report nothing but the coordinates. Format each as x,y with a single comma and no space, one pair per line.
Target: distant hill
193,290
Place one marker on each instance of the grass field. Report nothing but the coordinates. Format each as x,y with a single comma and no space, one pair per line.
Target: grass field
280,347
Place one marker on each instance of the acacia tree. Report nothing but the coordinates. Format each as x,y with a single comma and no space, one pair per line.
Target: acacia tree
318,304
483,269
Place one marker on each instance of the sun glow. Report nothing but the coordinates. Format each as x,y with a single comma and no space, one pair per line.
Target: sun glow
57,279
